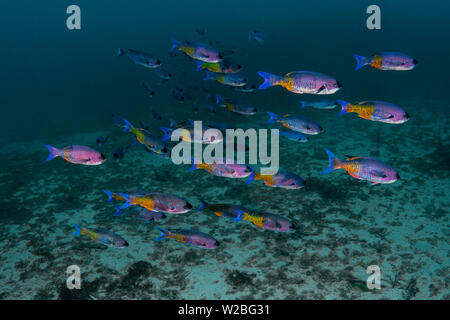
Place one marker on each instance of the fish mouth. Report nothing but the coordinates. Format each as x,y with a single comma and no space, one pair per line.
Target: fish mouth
102,156
397,176
338,84
188,206
407,115
125,244
415,61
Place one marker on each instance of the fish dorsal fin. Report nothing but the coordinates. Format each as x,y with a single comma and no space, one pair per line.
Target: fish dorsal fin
350,157
286,115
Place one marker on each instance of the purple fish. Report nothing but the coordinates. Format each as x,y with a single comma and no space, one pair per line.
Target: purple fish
363,168
77,154
387,61
376,111
301,82
102,236
140,58
228,170
198,51
296,123
191,237
282,179
153,201
276,222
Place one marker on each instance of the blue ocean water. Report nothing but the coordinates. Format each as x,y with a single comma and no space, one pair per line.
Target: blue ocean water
61,86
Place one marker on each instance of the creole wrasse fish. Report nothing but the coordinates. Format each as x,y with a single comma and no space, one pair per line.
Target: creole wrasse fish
102,236
153,201
323,104
282,179
301,82
190,237
151,143
228,170
77,154
293,135
230,79
230,211
387,61
296,123
363,168
140,58
219,67
237,106
207,135
376,111
198,51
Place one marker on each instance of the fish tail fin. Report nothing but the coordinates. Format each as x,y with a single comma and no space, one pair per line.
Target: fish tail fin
163,235
120,52
167,133
269,80
250,35
334,162
344,105
273,117
202,207
194,165
122,123
302,104
54,152
199,65
251,178
109,194
78,231
127,200
219,100
118,212
209,76
175,45
240,215
360,61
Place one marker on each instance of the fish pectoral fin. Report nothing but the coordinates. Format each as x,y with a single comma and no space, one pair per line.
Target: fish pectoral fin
383,116
379,173
321,89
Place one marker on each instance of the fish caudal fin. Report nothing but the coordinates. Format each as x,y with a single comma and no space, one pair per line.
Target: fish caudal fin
120,52
251,178
360,61
54,152
344,105
118,212
273,117
194,165
163,235
269,79
334,162
127,200
202,207
109,194
167,133
78,231
209,76
199,65
175,45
